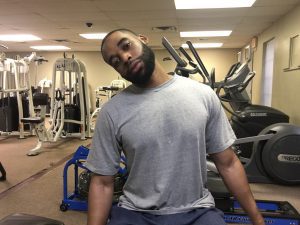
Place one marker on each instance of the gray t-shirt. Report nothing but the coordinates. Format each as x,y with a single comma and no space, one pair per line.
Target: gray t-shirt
166,133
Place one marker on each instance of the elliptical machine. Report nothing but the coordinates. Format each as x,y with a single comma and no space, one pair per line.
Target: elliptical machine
275,155
246,119
267,144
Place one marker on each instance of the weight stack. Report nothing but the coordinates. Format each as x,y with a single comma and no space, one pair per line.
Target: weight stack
72,112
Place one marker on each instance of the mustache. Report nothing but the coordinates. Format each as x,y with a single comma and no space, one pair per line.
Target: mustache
132,62
140,58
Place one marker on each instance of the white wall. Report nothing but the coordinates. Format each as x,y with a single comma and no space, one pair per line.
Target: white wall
285,96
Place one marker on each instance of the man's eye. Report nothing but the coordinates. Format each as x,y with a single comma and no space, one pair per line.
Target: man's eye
126,45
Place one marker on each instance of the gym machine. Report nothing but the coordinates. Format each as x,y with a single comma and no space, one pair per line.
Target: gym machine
74,200
77,199
273,212
275,154
15,94
69,108
246,119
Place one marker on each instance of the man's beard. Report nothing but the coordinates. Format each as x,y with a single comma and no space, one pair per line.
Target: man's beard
142,77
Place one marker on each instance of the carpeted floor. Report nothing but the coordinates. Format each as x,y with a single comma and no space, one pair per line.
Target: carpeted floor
41,197
34,184
19,166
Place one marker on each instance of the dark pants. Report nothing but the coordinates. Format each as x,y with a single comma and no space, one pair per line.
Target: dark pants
202,216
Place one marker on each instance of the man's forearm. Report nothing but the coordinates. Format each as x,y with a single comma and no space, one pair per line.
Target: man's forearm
237,183
99,203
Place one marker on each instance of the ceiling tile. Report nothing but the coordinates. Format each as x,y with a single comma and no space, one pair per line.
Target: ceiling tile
57,19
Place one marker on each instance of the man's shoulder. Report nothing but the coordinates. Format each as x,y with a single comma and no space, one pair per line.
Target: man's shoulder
193,83
118,100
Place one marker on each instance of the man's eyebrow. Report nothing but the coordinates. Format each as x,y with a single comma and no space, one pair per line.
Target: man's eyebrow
118,44
121,41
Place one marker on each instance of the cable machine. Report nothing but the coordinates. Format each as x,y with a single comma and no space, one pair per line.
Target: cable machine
15,94
70,105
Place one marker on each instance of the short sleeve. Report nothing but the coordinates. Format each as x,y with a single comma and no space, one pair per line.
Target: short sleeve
219,134
104,156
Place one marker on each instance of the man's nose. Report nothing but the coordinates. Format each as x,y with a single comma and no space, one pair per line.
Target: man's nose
126,58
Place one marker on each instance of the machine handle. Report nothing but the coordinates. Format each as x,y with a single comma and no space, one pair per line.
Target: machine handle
173,52
199,61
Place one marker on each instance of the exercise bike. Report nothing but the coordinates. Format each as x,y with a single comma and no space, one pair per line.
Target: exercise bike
275,155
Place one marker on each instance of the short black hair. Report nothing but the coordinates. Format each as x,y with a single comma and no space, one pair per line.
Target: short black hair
124,30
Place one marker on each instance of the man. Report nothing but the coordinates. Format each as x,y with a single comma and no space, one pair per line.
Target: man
165,125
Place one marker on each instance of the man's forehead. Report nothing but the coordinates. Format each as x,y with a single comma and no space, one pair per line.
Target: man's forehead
113,40
117,36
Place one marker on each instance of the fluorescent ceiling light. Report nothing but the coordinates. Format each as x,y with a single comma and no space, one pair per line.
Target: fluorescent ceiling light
50,47
206,4
98,36
19,37
219,33
204,45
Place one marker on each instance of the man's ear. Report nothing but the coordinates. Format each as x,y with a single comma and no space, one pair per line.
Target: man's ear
143,38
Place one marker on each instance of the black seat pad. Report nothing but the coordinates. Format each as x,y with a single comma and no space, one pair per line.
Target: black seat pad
32,120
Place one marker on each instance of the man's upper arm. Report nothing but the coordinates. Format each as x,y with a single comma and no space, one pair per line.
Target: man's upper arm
224,159
219,134
98,179
104,156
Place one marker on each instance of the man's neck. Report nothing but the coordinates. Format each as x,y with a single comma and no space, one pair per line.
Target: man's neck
159,76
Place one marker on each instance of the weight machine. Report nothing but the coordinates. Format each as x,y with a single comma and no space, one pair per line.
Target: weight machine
77,199
15,94
69,108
